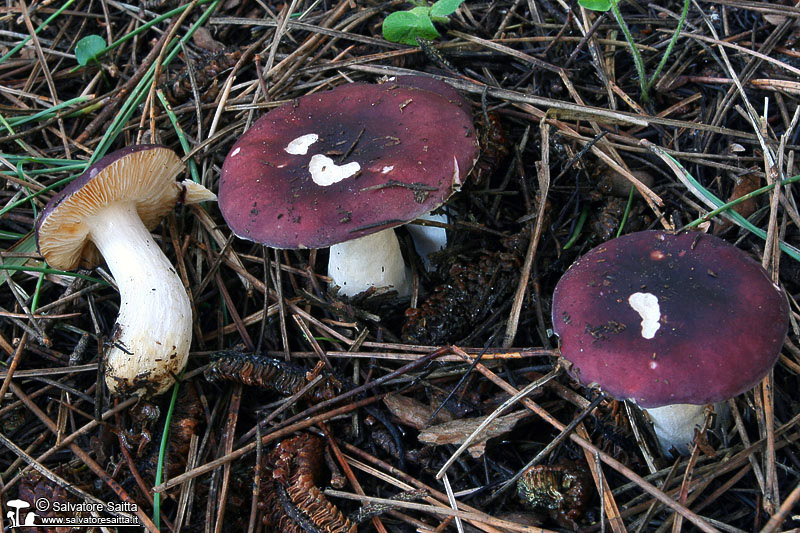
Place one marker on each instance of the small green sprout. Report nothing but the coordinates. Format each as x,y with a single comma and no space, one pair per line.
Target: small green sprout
417,23
89,48
596,5
645,83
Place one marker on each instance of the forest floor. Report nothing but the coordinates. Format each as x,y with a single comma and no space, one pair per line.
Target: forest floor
302,410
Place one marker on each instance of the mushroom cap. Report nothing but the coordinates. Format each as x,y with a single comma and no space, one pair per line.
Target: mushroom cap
143,174
18,504
434,85
331,167
711,328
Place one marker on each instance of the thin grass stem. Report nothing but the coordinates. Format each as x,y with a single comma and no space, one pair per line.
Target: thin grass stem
670,46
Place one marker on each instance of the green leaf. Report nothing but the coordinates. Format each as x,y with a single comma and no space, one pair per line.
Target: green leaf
596,5
89,48
442,8
405,26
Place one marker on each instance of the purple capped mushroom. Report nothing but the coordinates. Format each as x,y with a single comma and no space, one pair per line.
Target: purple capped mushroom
670,322
341,169
431,239
107,213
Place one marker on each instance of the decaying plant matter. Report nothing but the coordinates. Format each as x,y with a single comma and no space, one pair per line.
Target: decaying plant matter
564,489
271,374
293,502
474,289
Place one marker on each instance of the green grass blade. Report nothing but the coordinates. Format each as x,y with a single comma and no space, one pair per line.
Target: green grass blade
180,134
8,127
80,167
46,113
42,26
162,451
36,293
733,203
577,232
670,46
16,158
47,270
627,211
637,57
711,199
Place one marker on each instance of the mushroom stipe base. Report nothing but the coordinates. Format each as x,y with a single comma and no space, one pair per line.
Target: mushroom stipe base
372,261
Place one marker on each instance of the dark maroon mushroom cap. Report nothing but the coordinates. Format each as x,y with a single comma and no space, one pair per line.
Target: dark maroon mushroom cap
433,85
400,152
721,322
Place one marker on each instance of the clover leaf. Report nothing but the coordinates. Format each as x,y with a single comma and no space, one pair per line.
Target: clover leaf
89,48
596,5
417,23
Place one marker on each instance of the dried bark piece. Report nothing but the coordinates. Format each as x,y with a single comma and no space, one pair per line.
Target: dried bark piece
412,412
746,184
177,85
494,148
457,431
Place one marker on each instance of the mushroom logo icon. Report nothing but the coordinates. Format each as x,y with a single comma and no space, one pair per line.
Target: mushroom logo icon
13,516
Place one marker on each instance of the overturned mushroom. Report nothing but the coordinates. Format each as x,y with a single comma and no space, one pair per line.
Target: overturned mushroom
671,322
107,213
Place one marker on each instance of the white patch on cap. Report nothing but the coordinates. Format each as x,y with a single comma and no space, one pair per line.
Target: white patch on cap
646,305
300,145
456,172
386,170
236,152
325,172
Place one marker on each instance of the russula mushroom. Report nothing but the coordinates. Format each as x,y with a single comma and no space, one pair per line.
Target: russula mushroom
108,213
431,239
671,322
340,169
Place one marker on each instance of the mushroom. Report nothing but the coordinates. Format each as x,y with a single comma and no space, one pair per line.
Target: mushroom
670,322
431,239
108,213
17,505
343,167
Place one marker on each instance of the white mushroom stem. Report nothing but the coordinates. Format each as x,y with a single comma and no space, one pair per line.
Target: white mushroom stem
151,339
428,239
370,261
675,424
